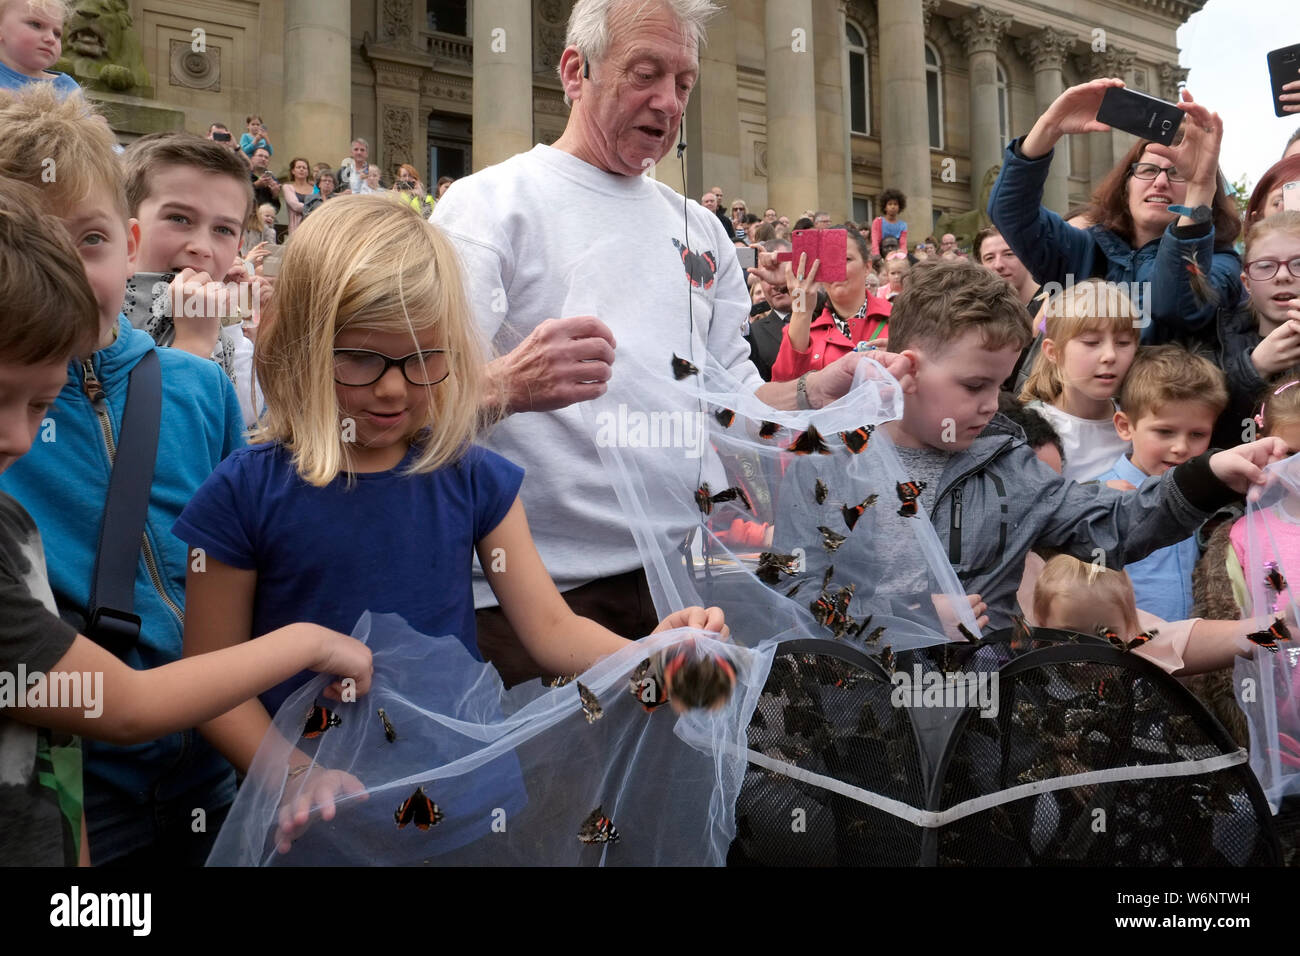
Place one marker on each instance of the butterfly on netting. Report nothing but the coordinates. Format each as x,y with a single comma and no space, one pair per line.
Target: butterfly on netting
697,681
1277,631
1111,635
560,681
856,440
832,611
965,632
1273,577
768,429
794,590
852,514
876,634
809,443
887,659
772,565
319,720
820,491
831,540
598,828
1021,635
389,732
683,368
725,417
907,494
591,708
705,499
647,685
418,809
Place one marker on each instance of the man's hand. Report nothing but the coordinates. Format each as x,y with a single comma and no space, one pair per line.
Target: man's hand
835,380
562,362
1242,467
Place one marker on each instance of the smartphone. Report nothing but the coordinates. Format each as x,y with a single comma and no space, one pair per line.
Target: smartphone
1283,67
220,137
1144,116
829,245
1291,197
748,258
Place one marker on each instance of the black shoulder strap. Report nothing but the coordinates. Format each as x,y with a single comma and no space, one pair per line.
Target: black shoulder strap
113,623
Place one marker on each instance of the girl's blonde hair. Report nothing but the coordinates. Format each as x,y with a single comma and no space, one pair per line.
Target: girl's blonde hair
1065,573
368,262
1279,405
1093,305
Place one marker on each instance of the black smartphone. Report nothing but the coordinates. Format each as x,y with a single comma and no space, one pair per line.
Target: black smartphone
1144,116
220,137
1283,67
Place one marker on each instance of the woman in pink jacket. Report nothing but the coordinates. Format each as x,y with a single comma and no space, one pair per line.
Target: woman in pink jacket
832,322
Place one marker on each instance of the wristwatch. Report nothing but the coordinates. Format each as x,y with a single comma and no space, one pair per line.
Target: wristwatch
1198,214
801,393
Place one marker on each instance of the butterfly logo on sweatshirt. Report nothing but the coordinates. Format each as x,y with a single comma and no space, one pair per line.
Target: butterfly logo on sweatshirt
700,267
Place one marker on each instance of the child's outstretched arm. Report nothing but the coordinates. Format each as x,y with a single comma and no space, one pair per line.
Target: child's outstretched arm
558,640
133,706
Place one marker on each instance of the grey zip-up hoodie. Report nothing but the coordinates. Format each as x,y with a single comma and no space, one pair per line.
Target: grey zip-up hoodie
996,501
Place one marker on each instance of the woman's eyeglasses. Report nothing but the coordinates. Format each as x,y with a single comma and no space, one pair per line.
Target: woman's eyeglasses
357,368
1149,171
1261,270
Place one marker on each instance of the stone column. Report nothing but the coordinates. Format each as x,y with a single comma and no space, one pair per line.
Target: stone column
317,79
904,121
1172,76
1121,65
791,107
1101,156
1046,51
503,80
981,33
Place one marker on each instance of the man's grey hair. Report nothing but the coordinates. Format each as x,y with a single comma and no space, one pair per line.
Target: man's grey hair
589,24
777,245
362,142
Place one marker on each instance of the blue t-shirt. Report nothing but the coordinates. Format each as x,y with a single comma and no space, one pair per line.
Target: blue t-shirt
391,543
11,79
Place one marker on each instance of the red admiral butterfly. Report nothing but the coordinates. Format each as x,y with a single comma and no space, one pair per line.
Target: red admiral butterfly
1021,635
1273,578
965,632
725,417
907,494
809,443
697,682
389,732
820,491
886,659
591,708
875,635
830,539
1110,634
706,500
857,439
851,515
768,429
418,809
598,828
771,566
647,685
1277,631
319,720
683,368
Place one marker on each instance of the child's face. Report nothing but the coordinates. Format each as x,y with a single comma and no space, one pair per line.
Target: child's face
1168,435
1082,609
26,394
268,215
1094,364
891,208
108,246
191,220
1289,434
30,40
955,394
388,413
1272,297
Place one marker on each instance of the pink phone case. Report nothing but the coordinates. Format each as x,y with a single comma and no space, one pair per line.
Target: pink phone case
828,245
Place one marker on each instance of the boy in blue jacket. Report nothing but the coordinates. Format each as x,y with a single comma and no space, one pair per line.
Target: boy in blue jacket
141,801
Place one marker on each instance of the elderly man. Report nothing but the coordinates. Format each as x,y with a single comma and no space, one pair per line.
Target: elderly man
948,248
710,202
530,233
352,171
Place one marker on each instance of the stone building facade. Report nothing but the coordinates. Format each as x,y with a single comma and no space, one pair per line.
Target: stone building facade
801,104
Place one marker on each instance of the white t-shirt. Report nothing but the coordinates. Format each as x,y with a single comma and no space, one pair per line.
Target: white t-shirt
1091,445
546,235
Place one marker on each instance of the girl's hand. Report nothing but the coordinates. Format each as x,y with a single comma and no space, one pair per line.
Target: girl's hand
701,619
1197,154
1242,468
1074,111
196,334
345,657
256,255
316,787
1280,349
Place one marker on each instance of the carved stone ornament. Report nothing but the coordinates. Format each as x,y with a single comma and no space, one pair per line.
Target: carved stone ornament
1045,49
981,30
760,158
194,70
101,48
1172,77
399,146
928,7
396,19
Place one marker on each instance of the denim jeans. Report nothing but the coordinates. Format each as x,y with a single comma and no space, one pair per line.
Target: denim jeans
128,833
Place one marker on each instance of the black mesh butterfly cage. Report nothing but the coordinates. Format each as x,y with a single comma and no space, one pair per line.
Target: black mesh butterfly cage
1069,753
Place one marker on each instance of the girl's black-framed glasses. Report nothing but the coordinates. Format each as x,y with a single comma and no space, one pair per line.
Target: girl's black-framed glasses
357,368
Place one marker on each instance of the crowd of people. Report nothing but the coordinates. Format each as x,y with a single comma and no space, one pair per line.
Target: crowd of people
357,431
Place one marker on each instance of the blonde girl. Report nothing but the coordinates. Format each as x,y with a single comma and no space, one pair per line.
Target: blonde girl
1091,340
364,490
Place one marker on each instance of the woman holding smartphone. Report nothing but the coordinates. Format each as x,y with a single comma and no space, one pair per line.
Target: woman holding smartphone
1161,218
